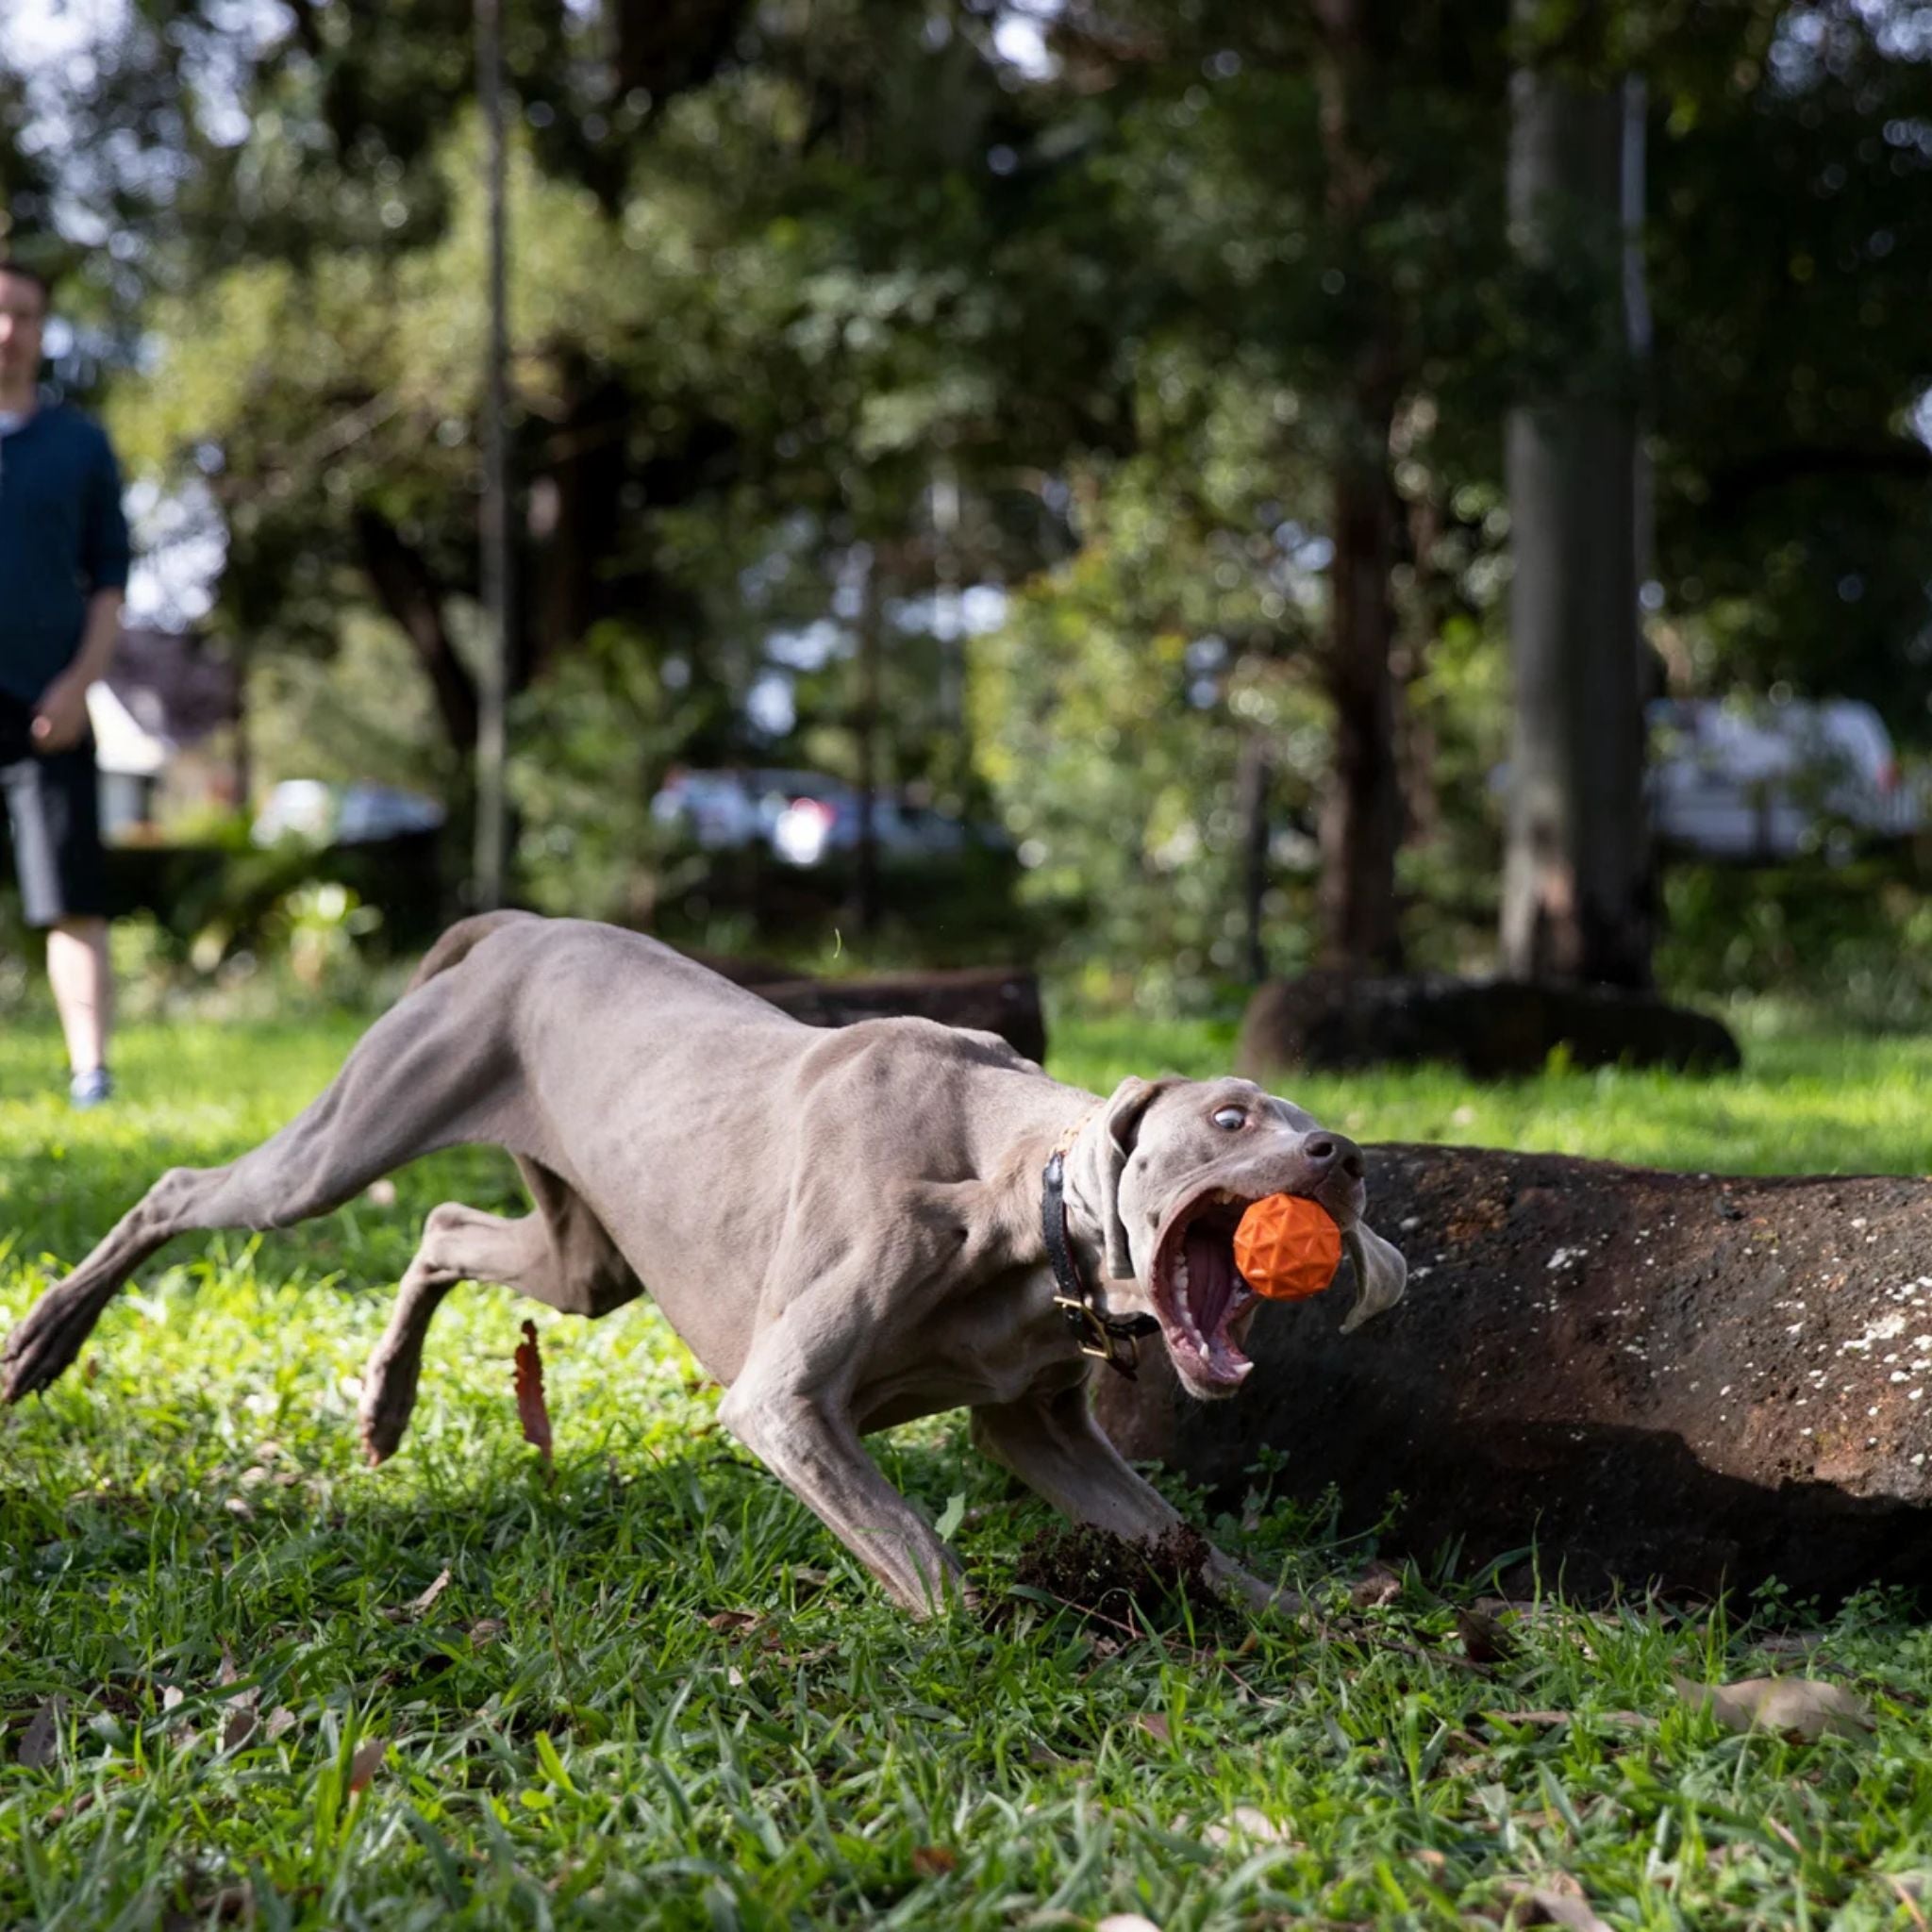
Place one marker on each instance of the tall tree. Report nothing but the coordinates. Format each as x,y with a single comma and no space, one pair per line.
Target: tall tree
1577,875
1361,811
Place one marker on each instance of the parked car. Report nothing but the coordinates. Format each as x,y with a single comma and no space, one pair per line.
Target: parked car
802,817
1773,781
355,814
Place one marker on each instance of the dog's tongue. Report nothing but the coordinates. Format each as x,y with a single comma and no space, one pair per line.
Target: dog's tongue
1211,1278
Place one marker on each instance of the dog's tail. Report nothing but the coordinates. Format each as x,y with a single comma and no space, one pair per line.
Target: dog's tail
458,942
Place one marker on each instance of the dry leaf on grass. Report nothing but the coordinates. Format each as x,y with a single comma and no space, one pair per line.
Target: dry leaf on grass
732,1620
1484,1639
181,1734
1245,1822
1377,1586
43,1736
1798,1707
486,1630
1125,1922
531,1409
240,1727
420,1605
1155,1723
1556,1900
934,1861
222,1907
1911,1886
280,1719
367,1760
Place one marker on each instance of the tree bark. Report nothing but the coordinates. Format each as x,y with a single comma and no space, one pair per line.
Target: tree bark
1361,812
1360,823
872,617
1251,787
1576,876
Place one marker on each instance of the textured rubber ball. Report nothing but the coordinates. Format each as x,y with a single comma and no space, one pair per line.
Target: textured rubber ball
1287,1247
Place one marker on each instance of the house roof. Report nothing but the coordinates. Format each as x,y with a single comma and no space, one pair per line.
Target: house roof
164,690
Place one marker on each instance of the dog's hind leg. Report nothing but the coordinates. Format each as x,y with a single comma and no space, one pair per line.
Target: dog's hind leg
560,1255
458,1243
419,1080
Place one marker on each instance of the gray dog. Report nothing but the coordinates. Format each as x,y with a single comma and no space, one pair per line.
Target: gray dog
849,1228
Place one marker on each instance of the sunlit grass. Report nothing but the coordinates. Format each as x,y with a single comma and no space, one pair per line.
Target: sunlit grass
568,1741
1805,1101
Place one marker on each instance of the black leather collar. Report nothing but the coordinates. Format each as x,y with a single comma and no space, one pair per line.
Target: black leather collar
1107,1337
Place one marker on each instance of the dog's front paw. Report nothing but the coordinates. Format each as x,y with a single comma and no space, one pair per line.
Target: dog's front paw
47,1340
383,1416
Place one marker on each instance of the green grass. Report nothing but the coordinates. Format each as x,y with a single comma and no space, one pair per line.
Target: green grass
1808,1102
654,1692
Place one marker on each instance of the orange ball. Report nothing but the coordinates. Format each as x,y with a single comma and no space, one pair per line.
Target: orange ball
1287,1246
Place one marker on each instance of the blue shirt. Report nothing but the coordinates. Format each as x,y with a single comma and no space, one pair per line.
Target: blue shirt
63,538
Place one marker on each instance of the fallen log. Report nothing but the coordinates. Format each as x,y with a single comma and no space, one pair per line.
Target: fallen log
995,999
1700,1382
1493,1029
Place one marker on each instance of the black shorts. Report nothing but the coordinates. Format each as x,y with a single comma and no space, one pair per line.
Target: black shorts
54,813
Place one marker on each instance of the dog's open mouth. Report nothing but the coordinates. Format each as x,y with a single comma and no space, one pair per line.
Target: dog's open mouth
1200,1300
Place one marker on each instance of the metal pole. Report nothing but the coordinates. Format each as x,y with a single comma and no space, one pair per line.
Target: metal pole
491,828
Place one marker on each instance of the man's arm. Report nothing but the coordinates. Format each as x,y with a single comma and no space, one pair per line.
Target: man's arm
60,717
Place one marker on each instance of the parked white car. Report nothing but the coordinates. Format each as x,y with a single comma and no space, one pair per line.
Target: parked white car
1771,781
803,817
319,813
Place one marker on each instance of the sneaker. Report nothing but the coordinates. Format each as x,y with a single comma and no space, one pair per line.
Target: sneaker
92,1088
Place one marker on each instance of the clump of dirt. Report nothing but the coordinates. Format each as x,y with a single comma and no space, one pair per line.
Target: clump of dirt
1104,1575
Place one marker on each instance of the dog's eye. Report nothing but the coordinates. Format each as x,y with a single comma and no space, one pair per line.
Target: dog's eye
1230,1117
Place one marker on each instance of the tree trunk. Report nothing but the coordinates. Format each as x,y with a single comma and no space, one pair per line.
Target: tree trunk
490,862
1251,801
871,617
1361,811
1361,814
1577,875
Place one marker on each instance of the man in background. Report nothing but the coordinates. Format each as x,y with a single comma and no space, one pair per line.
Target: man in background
63,567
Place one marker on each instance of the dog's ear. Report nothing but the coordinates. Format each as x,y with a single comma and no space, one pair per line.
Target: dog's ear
1120,1128
1381,1274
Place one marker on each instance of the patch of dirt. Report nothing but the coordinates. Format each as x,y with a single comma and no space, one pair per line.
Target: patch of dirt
1104,1575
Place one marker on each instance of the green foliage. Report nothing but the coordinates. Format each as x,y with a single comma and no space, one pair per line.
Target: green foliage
1855,937
592,744
1111,746
656,1693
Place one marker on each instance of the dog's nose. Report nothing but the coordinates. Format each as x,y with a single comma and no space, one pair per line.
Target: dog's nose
1334,1153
